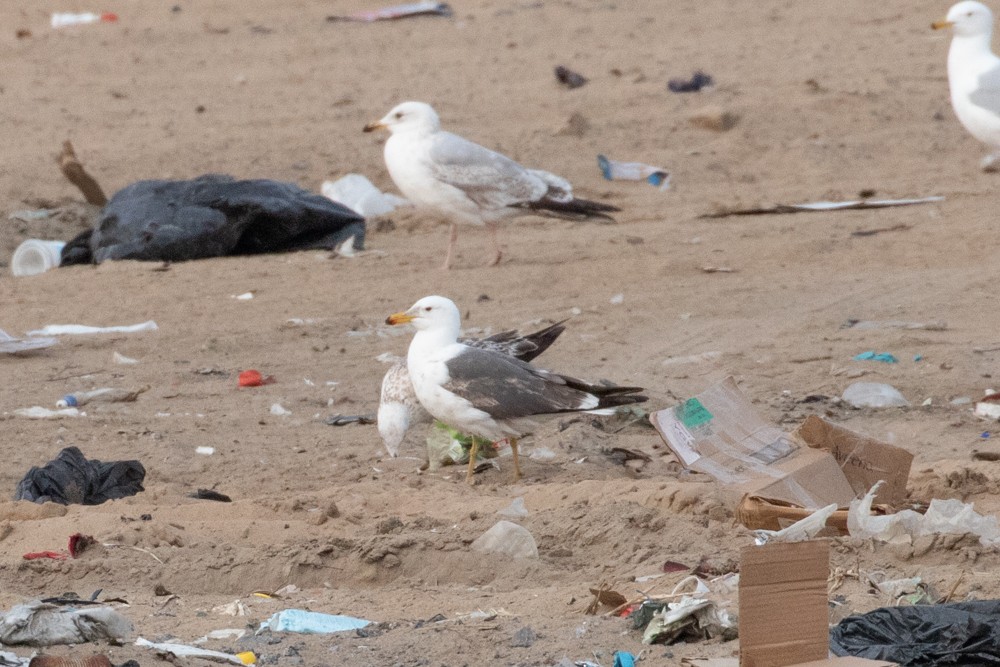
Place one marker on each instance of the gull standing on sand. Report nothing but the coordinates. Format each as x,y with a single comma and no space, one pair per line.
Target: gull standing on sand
398,406
468,183
487,393
974,75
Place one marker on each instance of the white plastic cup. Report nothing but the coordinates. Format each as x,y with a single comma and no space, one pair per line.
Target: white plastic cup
36,256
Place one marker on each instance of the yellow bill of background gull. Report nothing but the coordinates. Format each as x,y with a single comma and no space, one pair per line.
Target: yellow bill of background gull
399,408
974,75
487,393
468,183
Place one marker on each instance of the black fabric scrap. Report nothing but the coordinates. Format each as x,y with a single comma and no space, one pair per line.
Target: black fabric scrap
213,216
70,479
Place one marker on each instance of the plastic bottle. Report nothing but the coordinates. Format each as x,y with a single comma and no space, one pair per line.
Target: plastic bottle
36,256
63,19
105,395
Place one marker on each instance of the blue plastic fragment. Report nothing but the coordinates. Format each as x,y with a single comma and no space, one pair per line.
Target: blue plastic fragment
918,357
984,435
605,166
311,622
624,659
69,400
656,178
871,355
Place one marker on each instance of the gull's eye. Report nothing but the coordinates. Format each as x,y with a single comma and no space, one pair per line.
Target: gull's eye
399,114
427,309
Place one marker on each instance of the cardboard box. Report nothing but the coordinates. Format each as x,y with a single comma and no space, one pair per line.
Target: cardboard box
719,433
846,661
784,618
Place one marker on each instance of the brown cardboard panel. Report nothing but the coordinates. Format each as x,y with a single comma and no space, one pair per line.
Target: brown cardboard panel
783,603
864,460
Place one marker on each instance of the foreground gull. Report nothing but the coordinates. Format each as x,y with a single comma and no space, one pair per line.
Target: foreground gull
487,393
974,74
398,405
469,183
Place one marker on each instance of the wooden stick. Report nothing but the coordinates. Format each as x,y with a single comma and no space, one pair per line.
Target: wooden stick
73,170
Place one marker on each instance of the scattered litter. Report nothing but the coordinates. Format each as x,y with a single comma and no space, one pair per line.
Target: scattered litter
874,395
78,543
507,538
697,81
81,329
253,378
361,196
185,651
8,659
690,618
11,345
71,479
947,517
224,633
821,206
65,19
35,256
717,269
123,360
613,170
311,622
962,633
989,407
103,395
38,412
427,7
617,300
204,451
800,531
278,411
865,325
569,78
872,355
246,296
343,420
692,358
209,494
524,637
901,227
516,509
32,215
624,659
234,608
39,623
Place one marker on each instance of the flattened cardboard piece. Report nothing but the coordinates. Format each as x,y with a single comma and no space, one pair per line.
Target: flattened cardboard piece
847,661
719,433
864,460
844,661
783,603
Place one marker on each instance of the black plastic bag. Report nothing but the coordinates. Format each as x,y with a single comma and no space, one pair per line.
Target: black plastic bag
213,216
963,633
71,479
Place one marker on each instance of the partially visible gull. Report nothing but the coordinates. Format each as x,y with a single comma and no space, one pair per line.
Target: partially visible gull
398,406
468,183
974,75
486,393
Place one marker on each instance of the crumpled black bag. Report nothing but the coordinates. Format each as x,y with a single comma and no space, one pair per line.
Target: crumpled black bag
70,479
962,633
213,216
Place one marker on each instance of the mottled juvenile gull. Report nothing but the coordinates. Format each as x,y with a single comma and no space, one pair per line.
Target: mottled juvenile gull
398,405
974,75
468,183
486,393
